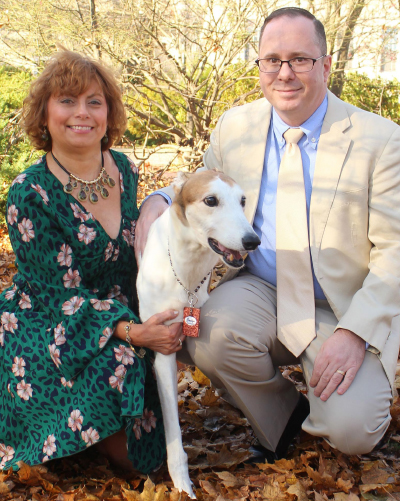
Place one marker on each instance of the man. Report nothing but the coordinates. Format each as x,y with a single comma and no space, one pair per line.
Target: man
351,165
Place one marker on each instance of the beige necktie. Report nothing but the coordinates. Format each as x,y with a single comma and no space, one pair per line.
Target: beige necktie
295,288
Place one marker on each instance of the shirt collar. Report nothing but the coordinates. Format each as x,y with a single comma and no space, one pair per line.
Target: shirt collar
311,127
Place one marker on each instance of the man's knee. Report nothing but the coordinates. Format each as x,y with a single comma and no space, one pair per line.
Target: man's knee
354,430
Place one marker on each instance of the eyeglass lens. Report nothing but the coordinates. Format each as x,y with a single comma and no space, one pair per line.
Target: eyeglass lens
272,65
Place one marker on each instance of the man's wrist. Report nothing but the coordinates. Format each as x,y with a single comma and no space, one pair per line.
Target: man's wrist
166,198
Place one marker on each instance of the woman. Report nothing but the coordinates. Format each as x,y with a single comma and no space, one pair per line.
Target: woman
75,365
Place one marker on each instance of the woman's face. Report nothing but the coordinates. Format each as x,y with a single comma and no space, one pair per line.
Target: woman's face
77,122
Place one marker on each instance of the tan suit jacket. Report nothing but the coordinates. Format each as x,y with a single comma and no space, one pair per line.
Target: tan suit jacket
354,213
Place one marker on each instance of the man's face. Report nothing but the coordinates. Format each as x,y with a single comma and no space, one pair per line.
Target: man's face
295,96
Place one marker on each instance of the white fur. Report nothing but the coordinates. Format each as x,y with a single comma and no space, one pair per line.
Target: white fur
192,258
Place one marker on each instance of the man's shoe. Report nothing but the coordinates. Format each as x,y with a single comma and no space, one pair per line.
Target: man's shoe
261,454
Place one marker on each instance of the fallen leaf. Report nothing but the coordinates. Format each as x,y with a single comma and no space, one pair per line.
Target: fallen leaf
225,458
298,490
6,487
273,492
320,497
150,492
209,488
341,496
344,485
210,398
376,472
229,480
324,480
200,378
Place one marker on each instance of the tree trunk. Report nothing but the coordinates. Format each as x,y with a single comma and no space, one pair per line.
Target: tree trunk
337,78
94,28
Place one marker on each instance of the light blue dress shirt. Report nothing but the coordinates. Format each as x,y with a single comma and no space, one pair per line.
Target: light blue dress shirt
262,262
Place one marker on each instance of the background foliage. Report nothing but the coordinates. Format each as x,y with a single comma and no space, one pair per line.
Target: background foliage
15,151
375,95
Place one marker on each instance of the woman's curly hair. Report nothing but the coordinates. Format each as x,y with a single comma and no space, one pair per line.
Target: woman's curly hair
71,73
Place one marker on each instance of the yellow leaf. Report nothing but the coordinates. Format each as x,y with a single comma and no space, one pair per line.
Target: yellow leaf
200,378
150,492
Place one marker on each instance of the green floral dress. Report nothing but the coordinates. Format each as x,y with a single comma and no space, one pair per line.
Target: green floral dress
65,382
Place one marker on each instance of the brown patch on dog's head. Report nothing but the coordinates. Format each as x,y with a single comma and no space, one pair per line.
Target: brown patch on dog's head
192,187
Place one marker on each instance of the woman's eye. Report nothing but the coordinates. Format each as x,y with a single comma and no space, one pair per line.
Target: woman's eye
243,201
211,201
97,103
66,100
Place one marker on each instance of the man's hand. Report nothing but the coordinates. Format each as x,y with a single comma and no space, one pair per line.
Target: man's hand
150,211
344,351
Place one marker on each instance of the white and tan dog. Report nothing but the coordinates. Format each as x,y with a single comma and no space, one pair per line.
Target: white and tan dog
204,224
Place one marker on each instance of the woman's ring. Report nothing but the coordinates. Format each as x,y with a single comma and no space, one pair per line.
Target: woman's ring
180,341
341,372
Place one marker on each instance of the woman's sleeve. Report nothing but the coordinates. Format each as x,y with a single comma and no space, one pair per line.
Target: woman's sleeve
78,322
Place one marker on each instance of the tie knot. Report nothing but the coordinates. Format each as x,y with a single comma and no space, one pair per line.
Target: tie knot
293,135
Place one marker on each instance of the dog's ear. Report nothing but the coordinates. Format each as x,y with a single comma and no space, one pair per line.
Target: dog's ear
180,180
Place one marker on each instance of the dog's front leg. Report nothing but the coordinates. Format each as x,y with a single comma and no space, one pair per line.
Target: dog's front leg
165,367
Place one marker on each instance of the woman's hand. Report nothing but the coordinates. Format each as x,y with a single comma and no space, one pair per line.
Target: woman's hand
153,334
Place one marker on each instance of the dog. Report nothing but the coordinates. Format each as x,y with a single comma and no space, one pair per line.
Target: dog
204,224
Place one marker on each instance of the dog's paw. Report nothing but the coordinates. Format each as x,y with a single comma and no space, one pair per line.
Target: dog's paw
180,477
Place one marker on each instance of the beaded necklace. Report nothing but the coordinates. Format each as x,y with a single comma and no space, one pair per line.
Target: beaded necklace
87,188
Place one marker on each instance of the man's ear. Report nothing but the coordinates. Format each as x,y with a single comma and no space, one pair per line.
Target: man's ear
180,180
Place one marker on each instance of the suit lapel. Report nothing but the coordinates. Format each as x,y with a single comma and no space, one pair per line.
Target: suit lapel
332,150
254,130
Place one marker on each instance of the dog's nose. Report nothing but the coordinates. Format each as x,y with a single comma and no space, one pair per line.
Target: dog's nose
250,241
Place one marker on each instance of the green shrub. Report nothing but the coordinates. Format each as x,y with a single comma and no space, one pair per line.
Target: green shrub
16,154
376,95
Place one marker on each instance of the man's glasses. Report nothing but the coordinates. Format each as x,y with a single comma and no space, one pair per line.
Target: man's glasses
296,64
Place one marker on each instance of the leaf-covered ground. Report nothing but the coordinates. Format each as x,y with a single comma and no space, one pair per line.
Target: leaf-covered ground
216,438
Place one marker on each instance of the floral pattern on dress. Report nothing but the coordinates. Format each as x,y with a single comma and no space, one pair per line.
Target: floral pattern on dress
41,192
12,214
25,301
60,377
86,234
25,227
64,257
71,279
90,436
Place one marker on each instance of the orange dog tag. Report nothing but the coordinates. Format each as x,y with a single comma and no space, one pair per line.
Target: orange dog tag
191,321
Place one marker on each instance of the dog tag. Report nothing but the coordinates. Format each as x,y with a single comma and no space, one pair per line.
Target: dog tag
191,321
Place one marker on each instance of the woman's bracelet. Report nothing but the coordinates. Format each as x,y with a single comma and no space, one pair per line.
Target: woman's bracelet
128,339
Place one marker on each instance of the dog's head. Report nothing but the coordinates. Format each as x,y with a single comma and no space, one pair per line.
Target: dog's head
211,205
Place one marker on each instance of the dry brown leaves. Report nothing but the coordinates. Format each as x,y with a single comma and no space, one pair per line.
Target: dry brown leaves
216,438
7,258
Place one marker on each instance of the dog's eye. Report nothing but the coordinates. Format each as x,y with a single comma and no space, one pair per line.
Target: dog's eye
243,201
211,201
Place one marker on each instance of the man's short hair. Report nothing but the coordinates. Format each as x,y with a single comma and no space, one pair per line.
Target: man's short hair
298,12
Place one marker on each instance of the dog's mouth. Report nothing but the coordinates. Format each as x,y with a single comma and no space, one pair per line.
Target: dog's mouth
231,257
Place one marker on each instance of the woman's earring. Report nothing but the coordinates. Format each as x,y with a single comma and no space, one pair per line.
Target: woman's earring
45,135
105,138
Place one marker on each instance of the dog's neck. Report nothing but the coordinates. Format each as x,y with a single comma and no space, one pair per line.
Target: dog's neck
191,260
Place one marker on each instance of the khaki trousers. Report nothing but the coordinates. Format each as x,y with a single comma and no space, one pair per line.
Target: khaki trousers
239,351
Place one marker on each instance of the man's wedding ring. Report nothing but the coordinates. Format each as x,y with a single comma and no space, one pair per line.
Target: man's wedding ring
341,372
180,341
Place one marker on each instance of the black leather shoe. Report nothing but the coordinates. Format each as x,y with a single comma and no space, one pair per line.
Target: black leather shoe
261,454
